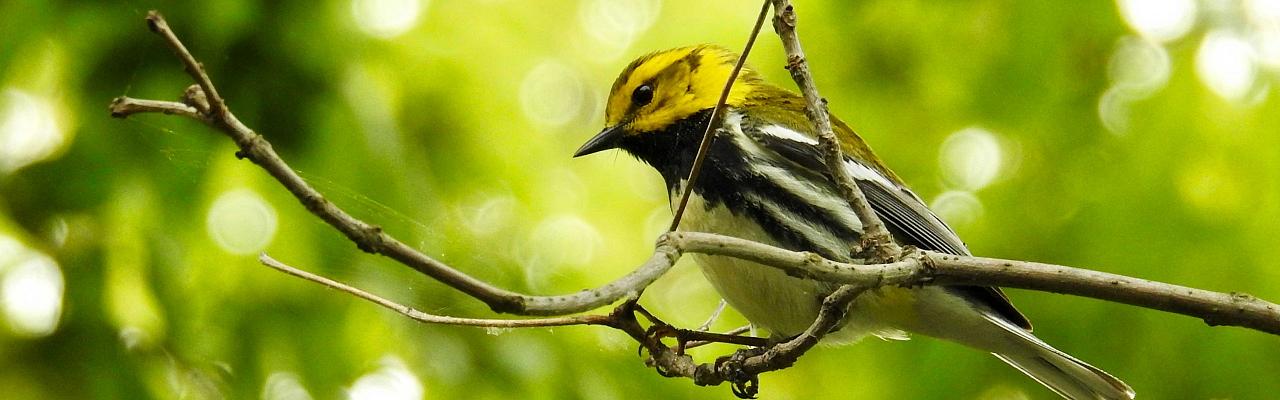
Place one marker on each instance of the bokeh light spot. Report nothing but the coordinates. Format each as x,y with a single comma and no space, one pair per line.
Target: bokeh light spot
393,381
1265,17
958,208
1225,64
558,243
133,338
1267,44
386,19
59,230
31,289
241,222
552,94
1139,67
29,130
10,250
1113,110
493,214
614,24
970,158
570,237
284,386
1159,20
1263,11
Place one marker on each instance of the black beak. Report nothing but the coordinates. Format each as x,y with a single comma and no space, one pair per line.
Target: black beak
605,140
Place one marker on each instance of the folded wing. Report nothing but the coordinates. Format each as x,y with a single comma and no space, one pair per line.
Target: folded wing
902,211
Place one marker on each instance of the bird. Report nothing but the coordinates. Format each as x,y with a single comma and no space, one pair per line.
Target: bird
765,179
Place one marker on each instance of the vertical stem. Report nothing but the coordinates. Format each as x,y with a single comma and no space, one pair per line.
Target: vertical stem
716,115
875,237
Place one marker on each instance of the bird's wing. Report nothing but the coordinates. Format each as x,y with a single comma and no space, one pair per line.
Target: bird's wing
902,211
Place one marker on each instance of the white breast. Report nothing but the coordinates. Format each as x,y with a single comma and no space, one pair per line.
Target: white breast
766,296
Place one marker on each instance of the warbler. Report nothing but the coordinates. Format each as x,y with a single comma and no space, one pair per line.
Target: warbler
765,179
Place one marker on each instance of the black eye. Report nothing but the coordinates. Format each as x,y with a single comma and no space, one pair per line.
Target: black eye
642,96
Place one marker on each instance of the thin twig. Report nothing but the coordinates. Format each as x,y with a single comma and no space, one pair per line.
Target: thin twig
714,121
122,107
196,70
735,331
911,269
875,237
706,326
432,318
370,238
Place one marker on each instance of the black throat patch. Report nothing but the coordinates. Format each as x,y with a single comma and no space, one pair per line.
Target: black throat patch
670,151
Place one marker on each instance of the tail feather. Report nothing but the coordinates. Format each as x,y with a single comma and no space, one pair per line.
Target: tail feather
1070,377
1059,371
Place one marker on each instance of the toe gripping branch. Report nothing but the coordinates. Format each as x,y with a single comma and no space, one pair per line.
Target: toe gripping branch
672,361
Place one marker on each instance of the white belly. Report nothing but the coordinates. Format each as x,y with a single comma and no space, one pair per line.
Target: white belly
782,304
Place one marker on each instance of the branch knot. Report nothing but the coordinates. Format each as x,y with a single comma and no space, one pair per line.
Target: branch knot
194,97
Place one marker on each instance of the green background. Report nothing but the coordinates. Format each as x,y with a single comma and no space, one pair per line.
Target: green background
1150,152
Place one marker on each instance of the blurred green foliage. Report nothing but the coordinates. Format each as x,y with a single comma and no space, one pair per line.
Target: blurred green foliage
1127,137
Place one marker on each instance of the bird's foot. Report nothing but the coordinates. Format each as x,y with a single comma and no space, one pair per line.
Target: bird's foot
744,384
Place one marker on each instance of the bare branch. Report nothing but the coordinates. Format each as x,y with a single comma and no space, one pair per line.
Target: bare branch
875,237
919,268
158,25
798,264
204,105
1216,309
123,107
909,268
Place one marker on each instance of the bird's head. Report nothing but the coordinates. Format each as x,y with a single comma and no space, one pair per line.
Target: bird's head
662,88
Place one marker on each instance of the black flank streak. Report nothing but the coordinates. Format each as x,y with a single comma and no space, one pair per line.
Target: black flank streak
809,157
726,179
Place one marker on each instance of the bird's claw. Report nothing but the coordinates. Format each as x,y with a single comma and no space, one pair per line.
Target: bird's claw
744,385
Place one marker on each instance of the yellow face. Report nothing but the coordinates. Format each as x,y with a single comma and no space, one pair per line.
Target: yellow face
659,89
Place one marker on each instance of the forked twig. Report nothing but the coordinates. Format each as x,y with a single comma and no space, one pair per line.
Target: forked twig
202,103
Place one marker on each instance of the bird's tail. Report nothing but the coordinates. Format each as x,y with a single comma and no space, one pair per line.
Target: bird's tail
1064,374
